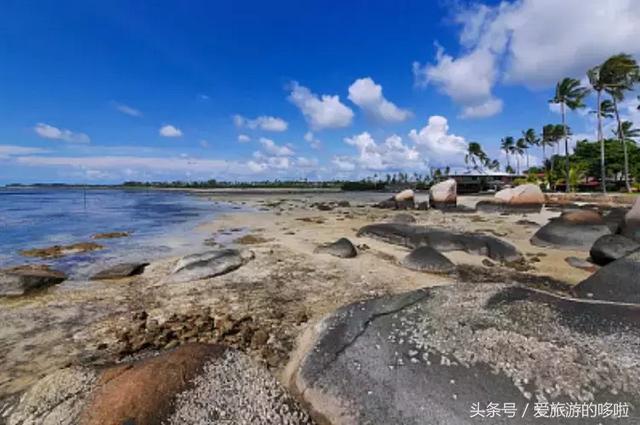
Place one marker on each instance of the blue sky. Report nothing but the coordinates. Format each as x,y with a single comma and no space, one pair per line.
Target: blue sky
109,91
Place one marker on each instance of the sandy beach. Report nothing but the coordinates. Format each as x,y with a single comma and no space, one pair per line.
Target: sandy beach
284,289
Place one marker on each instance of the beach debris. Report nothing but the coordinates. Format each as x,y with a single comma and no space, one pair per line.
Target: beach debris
111,235
434,354
22,280
209,264
120,271
526,198
572,230
427,259
342,248
631,225
443,240
444,195
57,251
609,248
617,281
250,240
189,385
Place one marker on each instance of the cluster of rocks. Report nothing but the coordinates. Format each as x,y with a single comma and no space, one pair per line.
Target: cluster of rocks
191,385
57,251
404,200
526,198
148,334
110,235
329,206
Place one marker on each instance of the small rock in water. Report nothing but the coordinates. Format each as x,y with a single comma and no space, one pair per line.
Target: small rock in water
120,271
110,235
342,248
57,251
21,280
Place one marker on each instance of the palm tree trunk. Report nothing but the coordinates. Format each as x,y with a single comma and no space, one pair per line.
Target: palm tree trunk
518,164
527,153
566,146
603,171
624,146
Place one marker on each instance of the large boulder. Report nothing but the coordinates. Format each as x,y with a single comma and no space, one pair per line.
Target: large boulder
617,281
444,194
193,384
443,240
400,201
342,248
631,225
427,259
24,279
609,248
209,264
614,218
577,230
445,355
524,198
120,271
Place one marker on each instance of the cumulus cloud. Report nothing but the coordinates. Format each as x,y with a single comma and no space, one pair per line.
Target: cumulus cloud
321,112
243,138
389,155
273,148
310,138
127,110
170,131
530,42
442,147
304,162
266,123
365,93
47,131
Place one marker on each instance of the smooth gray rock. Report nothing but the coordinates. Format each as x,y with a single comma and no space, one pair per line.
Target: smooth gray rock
342,248
120,271
442,240
614,218
559,233
405,218
209,264
427,259
21,280
609,248
617,281
427,357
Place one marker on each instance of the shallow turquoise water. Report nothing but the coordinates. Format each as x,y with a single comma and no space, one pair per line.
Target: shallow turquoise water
162,223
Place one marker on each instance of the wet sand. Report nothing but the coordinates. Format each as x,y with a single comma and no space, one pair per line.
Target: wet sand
284,289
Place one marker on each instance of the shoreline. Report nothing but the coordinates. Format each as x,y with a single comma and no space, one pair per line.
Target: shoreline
286,288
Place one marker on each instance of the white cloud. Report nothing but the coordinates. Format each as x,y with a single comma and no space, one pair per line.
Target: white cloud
532,42
442,147
365,93
312,140
392,154
344,163
304,162
274,149
266,123
127,110
243,138
170,131
321,112
7,151
50,132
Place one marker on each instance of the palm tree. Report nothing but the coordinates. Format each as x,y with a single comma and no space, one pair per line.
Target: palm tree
493,164
531,139
619,74
475,154
507,144
519,149
548,139
598,85
569,94
628,134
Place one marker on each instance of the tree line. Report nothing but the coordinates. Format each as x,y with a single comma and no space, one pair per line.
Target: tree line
611,81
